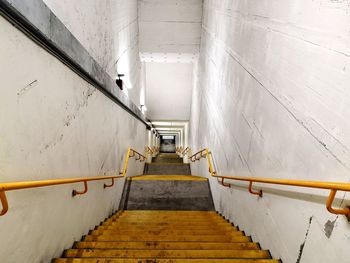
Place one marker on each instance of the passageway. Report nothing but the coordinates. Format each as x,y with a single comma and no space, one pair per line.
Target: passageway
174,131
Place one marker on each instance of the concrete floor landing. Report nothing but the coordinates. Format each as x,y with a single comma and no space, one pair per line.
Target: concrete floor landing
167,185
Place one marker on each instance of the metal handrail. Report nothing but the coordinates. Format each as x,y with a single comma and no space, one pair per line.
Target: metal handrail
4,187
332,186
132,153
186,151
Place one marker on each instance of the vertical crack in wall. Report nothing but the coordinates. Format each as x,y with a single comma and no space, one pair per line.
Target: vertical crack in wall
301,249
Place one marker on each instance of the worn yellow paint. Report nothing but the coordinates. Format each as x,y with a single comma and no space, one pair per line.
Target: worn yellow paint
138,260
168,237
167,245
165,232
179,238
169,227
153,253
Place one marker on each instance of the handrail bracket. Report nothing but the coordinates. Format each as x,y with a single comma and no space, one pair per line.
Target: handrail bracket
109,185
330,200
259,193
75,192
4,203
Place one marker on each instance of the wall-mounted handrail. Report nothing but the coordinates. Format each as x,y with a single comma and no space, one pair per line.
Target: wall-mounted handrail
332,186
129,154
4,187
186,151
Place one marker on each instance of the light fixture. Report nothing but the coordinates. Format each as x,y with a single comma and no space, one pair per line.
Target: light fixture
143,108
119,81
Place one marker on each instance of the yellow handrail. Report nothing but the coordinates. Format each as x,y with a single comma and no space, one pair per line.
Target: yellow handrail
332,186
4,187
34,184
186,151
132,153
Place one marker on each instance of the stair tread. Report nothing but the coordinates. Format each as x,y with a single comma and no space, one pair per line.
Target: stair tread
167,177
167,229
167,253
164,232
164,260
168,245
188,238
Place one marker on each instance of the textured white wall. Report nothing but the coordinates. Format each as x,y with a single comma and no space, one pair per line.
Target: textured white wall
170,26
108,29
55,125
272,100
168,90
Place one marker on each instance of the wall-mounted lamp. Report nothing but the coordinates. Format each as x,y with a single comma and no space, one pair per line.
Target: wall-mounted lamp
119,81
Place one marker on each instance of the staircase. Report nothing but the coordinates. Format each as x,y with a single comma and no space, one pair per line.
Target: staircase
166,236
152,225
167,164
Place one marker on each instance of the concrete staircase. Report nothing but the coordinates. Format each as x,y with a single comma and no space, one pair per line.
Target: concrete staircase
167,163
153,226
164,237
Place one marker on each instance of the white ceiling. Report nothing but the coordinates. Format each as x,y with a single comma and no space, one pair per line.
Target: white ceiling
169,57
170,26
170,32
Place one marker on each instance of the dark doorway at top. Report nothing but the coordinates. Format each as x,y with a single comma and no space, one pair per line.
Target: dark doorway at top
167,144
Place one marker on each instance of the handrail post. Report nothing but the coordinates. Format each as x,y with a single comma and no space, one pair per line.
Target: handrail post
4,203
259,193
330,200
109,185
128,154
75,192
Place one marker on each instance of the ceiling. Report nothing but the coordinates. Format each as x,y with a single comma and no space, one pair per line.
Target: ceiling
170,32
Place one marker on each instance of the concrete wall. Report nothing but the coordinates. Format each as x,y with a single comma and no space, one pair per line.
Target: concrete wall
168,90
109,31
272,100
169,26
55,125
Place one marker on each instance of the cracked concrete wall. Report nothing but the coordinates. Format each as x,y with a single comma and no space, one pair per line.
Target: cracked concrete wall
109,31
271,100
55,125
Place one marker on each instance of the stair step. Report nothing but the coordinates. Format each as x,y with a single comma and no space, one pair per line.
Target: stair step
168,177
188,238
164,232
183,229
166,224
167,245
178,212
220,228
208,219
115,260
117,253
